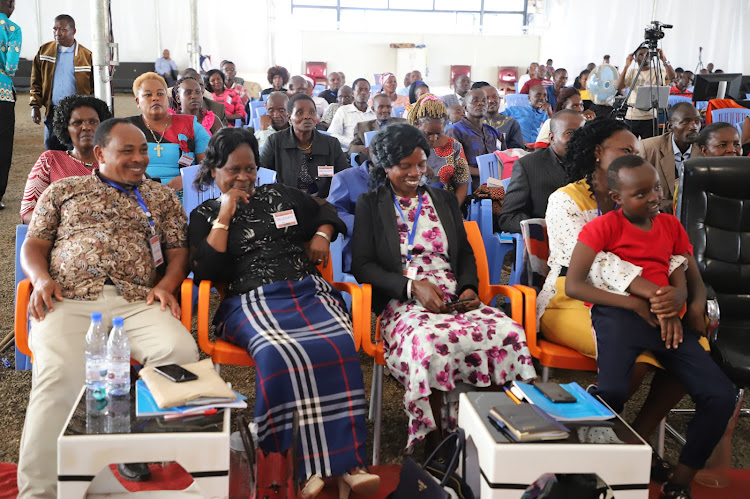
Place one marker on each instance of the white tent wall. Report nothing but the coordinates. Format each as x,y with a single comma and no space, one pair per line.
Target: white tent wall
575,33
258,33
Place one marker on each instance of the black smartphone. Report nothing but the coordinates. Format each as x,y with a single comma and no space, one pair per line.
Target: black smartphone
457,303
175,373
555,393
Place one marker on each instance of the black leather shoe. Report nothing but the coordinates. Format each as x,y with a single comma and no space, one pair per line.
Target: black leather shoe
672,491
2,205
134,472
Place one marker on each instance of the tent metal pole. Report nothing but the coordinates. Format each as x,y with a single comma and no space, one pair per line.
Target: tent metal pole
194,45
100,23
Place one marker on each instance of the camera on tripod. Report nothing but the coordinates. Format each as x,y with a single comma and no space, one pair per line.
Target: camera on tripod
654,33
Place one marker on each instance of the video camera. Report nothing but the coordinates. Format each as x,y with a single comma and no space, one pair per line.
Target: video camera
654,33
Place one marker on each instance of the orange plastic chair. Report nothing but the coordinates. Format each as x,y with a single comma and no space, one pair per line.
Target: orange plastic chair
21,320
374,348
223,352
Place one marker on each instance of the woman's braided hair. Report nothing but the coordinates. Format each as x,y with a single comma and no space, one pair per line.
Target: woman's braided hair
580,154
427,107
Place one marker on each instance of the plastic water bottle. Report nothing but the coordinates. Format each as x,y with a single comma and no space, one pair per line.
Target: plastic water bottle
118,379
96,375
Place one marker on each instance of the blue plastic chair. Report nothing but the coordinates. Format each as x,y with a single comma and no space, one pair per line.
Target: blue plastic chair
375,88
265,176
517,100
317,89
674,99
398,112
496,244
254,106
192,197
324,132
260,111
353,159
369,136
256,123
734,117
23,362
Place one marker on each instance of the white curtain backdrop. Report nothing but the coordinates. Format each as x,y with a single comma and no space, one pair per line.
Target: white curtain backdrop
572,32
576,32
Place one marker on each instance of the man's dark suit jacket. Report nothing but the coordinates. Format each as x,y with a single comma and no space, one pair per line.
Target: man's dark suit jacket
218,109
534,178
358,142
376,254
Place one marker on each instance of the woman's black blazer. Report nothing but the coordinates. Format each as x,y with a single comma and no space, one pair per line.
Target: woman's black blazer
281,153
376,255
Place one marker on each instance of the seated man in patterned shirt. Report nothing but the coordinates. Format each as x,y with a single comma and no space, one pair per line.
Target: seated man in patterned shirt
94,244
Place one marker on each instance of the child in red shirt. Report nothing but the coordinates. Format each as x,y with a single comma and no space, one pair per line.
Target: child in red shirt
625,326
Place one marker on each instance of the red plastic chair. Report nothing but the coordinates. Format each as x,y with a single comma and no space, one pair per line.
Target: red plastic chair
507,77
375,347
318,71
456,71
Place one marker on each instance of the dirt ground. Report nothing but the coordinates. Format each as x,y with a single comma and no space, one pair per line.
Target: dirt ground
14,385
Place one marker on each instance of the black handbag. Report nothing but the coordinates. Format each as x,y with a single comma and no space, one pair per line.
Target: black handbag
432,479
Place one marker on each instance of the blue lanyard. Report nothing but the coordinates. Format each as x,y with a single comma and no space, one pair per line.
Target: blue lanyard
413,232
137,195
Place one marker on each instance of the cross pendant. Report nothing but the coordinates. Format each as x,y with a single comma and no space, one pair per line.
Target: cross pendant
158,148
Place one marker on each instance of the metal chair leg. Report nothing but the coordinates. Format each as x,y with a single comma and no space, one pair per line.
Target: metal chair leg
372,389
378,413
545,374
660,437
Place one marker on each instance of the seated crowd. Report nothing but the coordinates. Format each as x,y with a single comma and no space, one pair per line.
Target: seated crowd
400,210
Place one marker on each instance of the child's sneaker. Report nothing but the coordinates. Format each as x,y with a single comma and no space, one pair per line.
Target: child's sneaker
673,491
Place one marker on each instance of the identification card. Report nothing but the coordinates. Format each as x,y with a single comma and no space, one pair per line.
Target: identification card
411,273
284,219
156,251
325,171
185,160
493,182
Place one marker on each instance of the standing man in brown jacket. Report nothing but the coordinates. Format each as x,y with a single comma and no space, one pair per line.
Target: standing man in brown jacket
61,68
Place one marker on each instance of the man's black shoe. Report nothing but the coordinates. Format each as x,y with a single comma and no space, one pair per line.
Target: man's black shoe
2,205
134,472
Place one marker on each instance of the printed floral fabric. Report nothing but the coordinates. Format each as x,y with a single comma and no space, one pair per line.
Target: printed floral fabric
99,232
448,165
427,351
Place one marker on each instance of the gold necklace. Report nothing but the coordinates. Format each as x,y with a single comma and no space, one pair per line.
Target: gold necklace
305,149
158,147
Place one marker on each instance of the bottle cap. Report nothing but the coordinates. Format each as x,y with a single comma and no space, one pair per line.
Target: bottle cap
117,321
96,317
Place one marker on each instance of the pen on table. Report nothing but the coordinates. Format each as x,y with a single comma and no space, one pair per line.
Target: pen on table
180,415
511,396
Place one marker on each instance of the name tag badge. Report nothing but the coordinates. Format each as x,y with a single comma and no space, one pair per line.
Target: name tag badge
493,182
325,171
185,160
156,251
411,273
499,144
284,219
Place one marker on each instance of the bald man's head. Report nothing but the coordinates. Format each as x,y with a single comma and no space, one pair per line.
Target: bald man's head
297,85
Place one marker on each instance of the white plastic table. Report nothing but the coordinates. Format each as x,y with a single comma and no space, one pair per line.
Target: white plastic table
498,468
201,449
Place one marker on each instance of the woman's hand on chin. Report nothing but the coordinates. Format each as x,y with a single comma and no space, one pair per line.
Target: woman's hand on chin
429,295
229,202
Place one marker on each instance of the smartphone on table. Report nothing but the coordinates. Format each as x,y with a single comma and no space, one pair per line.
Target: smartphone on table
555,393
176,373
